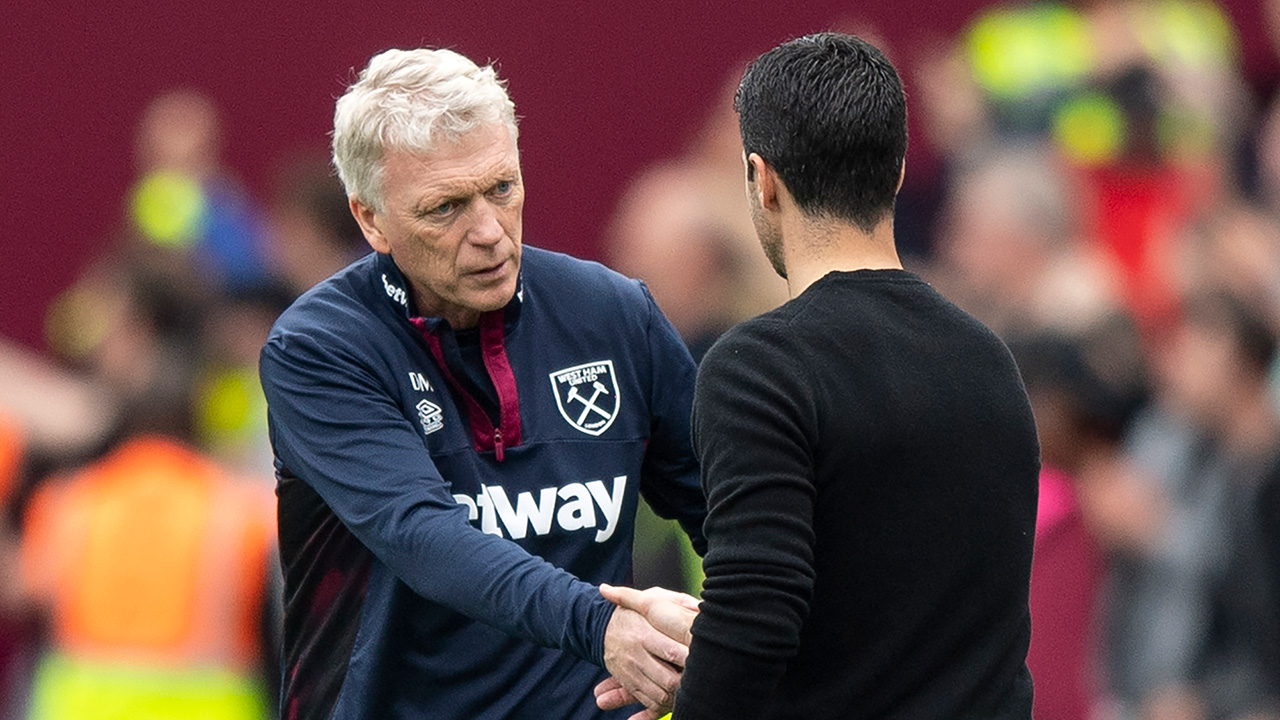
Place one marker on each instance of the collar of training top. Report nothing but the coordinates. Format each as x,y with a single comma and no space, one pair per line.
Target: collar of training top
397,294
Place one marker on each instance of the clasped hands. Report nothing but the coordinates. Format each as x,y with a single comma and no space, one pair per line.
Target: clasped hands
645,646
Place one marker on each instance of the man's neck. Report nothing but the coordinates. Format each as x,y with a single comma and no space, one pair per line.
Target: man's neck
426,303
815,247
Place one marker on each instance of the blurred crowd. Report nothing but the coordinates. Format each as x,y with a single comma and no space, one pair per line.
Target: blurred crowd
1107,200
140,577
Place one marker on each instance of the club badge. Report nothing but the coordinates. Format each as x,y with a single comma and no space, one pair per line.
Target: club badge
587,395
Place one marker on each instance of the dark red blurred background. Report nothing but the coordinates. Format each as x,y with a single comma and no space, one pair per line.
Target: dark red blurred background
603,89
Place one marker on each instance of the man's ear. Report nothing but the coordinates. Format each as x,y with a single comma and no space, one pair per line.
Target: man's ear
763,182
368,220
902,175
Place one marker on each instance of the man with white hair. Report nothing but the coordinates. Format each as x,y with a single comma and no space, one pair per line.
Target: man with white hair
462,426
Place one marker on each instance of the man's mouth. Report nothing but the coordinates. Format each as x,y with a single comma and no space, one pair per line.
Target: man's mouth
491,271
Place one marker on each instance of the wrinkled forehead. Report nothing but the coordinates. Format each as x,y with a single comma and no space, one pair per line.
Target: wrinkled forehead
471,163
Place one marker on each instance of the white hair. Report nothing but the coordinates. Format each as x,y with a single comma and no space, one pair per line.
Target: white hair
411,100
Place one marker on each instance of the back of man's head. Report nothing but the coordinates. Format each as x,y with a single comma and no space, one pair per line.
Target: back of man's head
827,112
411,100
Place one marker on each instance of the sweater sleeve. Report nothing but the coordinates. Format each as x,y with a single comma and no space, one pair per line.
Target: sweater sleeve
333,425
752,420
669,478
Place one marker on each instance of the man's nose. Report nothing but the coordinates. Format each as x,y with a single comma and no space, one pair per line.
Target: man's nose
485,228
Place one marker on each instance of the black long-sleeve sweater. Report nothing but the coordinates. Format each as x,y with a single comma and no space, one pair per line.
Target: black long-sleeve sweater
870,462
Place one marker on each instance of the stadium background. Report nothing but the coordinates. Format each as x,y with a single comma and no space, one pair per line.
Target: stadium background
603,89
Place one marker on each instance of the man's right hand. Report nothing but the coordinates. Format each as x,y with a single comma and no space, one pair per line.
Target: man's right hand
643,660
670,612
646,643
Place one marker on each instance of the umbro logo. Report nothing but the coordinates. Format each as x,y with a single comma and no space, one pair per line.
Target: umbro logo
430,415
587,395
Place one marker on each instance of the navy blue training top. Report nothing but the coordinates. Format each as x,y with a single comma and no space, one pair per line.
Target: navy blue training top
432,551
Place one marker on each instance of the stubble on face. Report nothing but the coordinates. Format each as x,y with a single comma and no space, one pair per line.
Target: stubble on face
770,238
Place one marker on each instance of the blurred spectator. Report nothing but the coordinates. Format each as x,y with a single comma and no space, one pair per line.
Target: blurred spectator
684,227
1192,625
61,415
1083,392
311,232
186,200
1066,568
230,409
12,445
675,230
1067,70
669,236
15,632
152,563
1267,150
1011,252
48,418
1234,246
1142,97
131,324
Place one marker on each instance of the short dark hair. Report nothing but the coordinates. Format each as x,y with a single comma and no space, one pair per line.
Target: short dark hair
828,113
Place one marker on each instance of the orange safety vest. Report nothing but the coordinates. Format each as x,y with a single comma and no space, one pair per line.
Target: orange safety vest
152,556
11,450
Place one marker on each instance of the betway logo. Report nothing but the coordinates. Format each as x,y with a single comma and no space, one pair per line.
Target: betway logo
578,503
395,292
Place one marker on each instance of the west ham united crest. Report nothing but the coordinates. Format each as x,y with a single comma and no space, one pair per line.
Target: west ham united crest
587,395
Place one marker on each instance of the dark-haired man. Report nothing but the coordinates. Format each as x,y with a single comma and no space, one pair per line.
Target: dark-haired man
868,451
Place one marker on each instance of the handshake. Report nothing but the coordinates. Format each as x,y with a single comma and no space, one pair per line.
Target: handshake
645,646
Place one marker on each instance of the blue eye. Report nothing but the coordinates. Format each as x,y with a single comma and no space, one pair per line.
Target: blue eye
443,208
503,187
